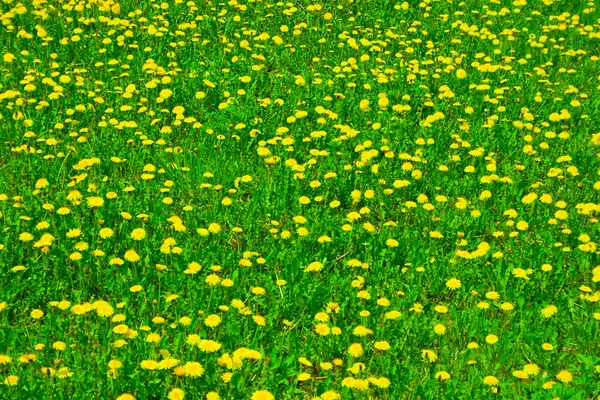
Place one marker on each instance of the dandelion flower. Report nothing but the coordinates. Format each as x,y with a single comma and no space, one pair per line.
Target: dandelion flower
193,369
491,339
138,234
11,380
355,350
549,311
176,394
208,346
564,376
132,256
64,373
212,321
382,345
392,243
262,395
429,355
439,329
453,284
442,376
490,380
548,385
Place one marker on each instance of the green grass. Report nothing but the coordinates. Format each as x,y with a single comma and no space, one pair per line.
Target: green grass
356,116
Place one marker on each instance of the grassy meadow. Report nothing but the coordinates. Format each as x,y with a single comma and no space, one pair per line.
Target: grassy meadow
262,200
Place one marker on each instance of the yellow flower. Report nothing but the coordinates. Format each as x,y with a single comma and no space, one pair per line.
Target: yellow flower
322,329
442,376
302,231
531,369
362,330
549,311
490,380
41,183
548,385
304,361
326,366
116,261
381,382
165,93
121,329
153,338
25,237
303,377
441,309
439,329
64,373
212,321
429,355
561,214
193,369
521,374
138,234
104,309
355,350
491,339
262,395
8,57
95,202
364,294
259,320
564,376
132,256
392,243
149,364
330,395
304,200
208,346
176,394
393,314
214,228
314,266
520,273
547,347
193,268
383,345
522,225
453,284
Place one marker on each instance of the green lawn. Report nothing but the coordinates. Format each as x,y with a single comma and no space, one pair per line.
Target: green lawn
339,200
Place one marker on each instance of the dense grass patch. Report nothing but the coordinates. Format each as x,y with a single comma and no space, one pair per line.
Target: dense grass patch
274,200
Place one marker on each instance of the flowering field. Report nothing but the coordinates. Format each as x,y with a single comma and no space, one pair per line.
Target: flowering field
274,200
